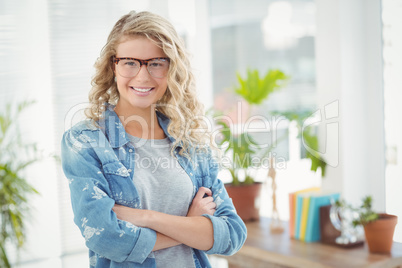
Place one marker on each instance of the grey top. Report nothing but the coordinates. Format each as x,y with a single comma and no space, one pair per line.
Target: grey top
163,186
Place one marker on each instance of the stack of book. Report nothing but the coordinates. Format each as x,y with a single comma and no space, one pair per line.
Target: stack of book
304,209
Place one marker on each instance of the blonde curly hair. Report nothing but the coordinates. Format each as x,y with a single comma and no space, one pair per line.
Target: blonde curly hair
179,103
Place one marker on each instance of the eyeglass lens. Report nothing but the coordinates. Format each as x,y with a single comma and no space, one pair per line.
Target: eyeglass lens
157,68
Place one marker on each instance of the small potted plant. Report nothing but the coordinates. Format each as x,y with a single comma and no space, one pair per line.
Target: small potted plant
243,150
378,227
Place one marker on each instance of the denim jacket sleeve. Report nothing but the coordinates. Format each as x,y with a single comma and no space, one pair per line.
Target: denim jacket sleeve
92,206
230,232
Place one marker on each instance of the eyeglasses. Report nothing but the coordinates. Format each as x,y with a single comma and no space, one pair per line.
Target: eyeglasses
129,67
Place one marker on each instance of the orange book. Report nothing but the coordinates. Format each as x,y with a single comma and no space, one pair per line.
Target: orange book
292,214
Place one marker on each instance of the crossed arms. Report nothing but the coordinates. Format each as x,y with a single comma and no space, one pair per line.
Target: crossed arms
194,230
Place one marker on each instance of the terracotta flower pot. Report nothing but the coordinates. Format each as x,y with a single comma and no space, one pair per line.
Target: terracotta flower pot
246,200
379,234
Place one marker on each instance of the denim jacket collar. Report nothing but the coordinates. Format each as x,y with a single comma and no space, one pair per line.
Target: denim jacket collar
115,131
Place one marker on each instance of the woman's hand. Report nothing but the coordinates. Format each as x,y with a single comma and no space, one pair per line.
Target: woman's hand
202,205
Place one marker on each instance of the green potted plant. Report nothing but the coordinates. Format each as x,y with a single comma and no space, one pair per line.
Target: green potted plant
15,156
243,189
378,227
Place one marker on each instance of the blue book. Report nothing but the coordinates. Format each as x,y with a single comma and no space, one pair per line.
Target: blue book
317,200
299,206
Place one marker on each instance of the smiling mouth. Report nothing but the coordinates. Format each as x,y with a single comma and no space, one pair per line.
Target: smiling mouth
142,89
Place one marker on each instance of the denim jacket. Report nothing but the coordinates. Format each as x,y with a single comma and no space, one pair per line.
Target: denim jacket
99,166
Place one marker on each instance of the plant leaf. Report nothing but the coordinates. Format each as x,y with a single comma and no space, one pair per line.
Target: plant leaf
255,89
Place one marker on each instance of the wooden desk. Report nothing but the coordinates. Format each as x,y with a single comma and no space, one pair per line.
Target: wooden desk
263,249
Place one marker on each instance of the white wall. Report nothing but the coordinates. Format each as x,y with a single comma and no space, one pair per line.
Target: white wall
349,70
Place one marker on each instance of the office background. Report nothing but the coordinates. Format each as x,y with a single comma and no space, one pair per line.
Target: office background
341,55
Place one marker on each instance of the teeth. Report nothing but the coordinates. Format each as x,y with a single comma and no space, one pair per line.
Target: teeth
142,89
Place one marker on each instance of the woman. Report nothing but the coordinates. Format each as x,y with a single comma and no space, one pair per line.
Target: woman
143,183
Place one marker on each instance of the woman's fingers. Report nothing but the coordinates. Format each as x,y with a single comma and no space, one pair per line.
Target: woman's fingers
203,203
207,200
202,192
211,205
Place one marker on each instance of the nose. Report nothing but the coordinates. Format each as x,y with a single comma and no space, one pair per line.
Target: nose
143,72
